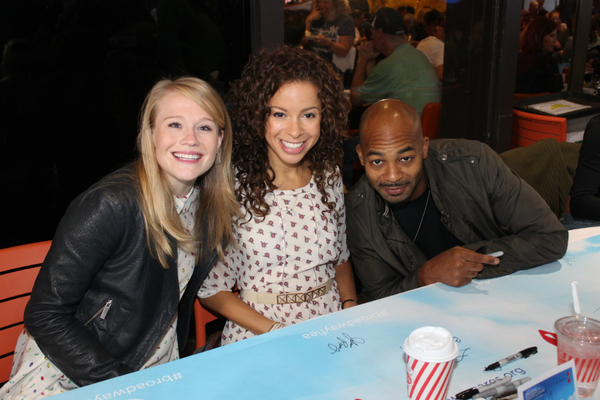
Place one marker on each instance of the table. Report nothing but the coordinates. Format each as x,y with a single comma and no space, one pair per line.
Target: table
357,353
576,120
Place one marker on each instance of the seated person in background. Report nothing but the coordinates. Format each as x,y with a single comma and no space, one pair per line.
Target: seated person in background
542,12
585,193
526,19
433,45
360,12
424,211
405,74
409,26
332,28
293,27
290,260
421,32
116,290
534,7
561,28
537,70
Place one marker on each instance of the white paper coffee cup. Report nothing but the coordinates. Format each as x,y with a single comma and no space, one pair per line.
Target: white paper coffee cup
430,353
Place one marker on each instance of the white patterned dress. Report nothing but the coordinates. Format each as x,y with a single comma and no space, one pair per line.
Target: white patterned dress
294,249
33,376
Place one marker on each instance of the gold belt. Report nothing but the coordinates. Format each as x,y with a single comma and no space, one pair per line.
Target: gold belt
286,298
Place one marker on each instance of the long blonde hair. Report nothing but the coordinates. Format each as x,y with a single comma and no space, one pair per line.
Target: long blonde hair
217,200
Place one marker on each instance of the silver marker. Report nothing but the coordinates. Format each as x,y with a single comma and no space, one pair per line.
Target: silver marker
501,390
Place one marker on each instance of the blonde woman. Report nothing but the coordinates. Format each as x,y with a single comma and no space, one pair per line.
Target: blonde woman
116,290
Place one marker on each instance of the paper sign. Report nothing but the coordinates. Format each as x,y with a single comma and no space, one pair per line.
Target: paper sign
559,383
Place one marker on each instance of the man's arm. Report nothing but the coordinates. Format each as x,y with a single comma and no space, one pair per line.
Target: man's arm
535,236
378,278
366,53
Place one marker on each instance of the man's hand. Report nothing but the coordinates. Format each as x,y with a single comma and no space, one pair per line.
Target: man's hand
455,267
366,51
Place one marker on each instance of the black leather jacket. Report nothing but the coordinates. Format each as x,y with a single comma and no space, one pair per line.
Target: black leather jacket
101,302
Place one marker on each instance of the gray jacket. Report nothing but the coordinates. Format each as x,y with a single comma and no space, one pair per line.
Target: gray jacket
482,202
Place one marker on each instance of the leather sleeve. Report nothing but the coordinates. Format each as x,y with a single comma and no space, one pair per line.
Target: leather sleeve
92,228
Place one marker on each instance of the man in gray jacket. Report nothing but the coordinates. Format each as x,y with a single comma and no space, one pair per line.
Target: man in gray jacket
427,212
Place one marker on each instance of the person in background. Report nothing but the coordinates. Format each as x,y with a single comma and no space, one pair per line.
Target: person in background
290,260
293,27
409,26
433,45
332,30
115,292
432,211
542,12
537,70
405,74
561,28
534,7
421,32
585,193
526,18
360,13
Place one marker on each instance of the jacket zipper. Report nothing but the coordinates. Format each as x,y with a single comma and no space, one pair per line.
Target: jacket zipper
102,312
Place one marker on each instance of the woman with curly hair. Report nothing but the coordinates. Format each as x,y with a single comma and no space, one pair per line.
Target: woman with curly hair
291,260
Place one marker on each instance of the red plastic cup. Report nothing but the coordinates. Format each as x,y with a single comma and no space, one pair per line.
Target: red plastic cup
430,354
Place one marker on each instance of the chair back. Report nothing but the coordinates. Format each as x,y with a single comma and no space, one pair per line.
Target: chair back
548,167
528,128
19,267
202,317
519,96
430,120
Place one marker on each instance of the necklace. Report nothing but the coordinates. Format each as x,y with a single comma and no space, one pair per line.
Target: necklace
284,207
422,216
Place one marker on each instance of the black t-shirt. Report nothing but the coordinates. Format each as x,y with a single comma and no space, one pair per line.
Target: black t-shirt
433,237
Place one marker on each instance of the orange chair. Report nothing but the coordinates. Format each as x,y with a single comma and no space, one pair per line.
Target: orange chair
430,120
528,128
19,267
202,317
519,96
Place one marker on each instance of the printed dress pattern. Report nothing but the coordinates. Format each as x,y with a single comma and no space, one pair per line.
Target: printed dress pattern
294,249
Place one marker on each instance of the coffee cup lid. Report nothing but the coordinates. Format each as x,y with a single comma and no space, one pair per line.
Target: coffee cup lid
431,344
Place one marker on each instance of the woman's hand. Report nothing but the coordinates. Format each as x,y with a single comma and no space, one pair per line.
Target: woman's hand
322,41
313,16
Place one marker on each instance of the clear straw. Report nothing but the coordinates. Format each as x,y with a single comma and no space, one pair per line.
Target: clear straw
576,298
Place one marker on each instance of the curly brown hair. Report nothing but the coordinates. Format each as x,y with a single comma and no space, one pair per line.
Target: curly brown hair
261,79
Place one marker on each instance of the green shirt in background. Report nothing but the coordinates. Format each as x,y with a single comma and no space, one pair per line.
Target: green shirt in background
405,75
